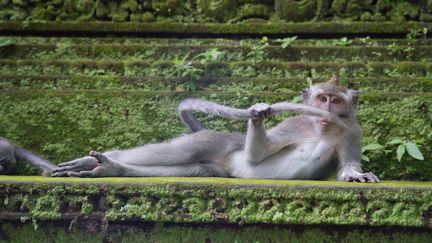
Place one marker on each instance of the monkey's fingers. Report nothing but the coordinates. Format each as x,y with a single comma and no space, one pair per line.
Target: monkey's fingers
64,168
371,177
96,172
80,161
100,157
60,174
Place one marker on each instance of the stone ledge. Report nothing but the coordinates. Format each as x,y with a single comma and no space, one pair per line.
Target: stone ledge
249,29
216,200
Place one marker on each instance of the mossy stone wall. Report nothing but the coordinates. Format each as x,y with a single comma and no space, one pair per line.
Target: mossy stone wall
215,200
200,11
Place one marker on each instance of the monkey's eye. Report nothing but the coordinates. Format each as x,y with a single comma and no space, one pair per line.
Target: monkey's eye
336,101
323,99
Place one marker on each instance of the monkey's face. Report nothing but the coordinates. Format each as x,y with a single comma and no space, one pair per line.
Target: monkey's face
331,98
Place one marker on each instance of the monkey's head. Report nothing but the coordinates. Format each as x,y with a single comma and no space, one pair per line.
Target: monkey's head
332,97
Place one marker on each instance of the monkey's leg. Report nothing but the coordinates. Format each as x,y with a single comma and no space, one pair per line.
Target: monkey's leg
195,151
108,167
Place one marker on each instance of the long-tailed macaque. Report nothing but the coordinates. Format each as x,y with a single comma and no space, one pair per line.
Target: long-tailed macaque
325,138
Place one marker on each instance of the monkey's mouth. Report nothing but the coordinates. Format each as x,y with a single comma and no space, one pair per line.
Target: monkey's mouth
324,122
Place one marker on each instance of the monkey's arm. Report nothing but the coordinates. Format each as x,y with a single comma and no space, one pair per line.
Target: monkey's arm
349,157
257,144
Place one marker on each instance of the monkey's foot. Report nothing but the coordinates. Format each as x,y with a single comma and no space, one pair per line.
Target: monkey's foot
362,177
102,166
82,164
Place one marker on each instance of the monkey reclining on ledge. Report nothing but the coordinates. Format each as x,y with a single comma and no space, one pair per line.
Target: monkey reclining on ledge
326,137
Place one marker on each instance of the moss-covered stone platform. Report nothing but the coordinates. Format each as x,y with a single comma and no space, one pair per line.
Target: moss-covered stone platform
220,209
204,200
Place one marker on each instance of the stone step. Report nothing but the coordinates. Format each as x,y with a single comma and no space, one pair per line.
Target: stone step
244,29
230,53
271,69
206,83
197,41
217,200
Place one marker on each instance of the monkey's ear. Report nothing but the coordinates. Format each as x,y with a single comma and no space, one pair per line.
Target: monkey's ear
355,98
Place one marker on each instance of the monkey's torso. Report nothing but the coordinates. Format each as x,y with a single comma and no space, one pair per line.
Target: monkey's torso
306,158
299,161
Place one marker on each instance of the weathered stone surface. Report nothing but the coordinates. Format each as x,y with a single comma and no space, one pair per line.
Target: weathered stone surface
211,200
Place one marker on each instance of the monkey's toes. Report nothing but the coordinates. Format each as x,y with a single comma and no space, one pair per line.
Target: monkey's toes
93,153
100,157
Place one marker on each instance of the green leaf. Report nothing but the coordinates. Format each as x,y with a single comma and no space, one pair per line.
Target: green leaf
6,42
373,146
414,151
365,158
297,99
395,141
400,151
309,81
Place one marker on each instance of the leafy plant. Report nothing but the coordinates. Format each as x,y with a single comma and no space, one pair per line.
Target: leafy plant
257,52
285,42
403,147
344,41
373,146
6,42
184,68
406,146
210,55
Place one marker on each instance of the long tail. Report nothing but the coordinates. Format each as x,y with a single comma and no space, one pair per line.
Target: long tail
187,106
42,164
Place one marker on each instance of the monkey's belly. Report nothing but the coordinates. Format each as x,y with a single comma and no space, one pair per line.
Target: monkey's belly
302,162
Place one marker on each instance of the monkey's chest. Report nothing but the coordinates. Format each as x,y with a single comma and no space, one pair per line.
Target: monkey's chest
303,161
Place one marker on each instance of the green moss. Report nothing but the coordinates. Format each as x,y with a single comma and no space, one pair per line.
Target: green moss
167,7
228,200
212,28
213,233
255,11
297,11
221,11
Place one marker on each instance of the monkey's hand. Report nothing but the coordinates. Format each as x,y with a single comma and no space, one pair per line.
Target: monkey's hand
260,111
354,176
95,165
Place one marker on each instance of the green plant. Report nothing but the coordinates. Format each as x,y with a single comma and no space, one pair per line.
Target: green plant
406,146
411,36
344,41
210,55
403,147
257,52
366,41
184,68
369,147
6,42
285,42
